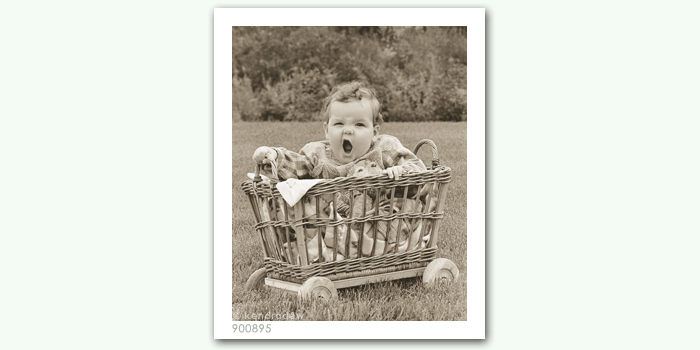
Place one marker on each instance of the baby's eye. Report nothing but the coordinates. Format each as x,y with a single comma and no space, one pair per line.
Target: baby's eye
360,124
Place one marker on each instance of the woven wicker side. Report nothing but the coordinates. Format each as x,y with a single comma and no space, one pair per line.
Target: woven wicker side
440,174
349,268
436,224
280,226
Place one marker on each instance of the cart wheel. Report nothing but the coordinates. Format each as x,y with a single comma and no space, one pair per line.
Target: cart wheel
318,288
256,280
440,271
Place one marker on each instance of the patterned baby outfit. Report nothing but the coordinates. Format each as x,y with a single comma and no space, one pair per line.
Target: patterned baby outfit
316,160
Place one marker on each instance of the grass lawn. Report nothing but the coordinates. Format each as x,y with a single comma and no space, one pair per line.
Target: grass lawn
401,300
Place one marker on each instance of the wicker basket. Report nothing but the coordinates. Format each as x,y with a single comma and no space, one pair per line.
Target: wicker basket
296,260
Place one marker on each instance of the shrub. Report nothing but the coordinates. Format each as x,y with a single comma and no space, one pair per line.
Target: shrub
451,93
245,104
298,97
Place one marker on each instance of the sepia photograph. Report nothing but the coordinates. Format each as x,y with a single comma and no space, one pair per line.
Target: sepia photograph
349,173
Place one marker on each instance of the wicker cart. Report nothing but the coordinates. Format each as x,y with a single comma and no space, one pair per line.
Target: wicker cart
365,245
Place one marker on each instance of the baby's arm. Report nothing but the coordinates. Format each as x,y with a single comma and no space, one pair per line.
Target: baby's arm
289,164
398,159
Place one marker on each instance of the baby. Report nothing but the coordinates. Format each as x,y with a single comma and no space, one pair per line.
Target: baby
353,147
352,134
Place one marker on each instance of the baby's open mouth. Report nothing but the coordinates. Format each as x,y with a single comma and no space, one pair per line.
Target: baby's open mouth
347,146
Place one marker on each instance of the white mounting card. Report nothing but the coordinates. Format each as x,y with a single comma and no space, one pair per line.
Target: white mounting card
225,327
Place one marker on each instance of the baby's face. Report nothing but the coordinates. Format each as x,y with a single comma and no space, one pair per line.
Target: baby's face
350,129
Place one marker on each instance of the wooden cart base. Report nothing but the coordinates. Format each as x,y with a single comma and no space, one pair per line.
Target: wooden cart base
294,288
439,270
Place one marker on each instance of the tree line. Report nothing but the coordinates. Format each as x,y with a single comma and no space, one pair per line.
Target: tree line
284,73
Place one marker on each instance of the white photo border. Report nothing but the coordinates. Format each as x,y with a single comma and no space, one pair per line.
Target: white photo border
474,19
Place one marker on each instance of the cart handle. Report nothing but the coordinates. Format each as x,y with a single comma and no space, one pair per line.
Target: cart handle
433,147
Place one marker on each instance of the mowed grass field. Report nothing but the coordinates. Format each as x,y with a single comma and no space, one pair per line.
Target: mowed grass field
400,300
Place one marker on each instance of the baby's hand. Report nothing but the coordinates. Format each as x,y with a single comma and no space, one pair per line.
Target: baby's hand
394,172
262,153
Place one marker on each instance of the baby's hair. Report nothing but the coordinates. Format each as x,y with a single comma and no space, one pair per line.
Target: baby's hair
353,91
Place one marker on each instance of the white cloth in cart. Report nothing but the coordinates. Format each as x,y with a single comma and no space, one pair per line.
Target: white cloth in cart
292,190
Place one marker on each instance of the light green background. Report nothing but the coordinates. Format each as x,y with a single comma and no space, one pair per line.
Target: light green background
106,151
